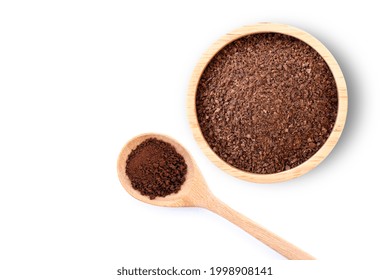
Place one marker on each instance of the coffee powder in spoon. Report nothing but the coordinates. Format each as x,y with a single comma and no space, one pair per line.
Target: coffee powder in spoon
155,168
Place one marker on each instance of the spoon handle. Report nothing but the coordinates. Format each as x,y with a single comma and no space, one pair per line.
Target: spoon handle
272,240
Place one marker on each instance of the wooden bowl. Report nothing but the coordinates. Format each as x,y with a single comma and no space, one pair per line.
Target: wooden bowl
334,136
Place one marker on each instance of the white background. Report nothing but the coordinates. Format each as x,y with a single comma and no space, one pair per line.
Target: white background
78,79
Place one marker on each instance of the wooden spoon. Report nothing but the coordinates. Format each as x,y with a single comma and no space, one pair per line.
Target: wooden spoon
195,193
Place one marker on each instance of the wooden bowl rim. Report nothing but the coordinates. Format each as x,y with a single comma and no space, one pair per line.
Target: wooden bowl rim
335,134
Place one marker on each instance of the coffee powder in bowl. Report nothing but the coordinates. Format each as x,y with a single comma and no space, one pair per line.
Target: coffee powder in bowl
267,102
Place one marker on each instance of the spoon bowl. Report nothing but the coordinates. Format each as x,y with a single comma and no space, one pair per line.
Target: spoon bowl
195,193
192,191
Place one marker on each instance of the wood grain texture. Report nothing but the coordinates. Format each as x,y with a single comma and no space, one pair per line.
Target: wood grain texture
195,193
334,136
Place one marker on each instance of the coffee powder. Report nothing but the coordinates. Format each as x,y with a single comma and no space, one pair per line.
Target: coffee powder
155,168
266,103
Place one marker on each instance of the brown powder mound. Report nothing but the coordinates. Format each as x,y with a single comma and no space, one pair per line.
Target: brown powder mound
155,168
266,103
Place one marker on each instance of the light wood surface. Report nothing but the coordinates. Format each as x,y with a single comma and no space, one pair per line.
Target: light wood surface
195,193
321,154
